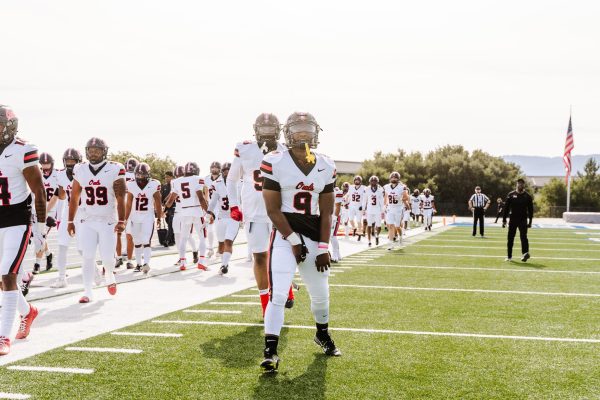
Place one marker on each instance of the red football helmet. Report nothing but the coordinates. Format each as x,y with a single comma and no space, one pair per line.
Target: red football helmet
8,125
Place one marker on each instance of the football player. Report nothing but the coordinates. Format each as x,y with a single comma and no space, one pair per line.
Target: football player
71,159
427,207
19,177
209,182
50,180
374,209
344,209
143,204
415,201
130,165
396,203
246,165
227,228
356,198
190,190
335,224
100,184
178,172
298,193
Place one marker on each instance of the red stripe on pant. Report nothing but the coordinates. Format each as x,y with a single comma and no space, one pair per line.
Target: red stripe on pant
269,261
14,268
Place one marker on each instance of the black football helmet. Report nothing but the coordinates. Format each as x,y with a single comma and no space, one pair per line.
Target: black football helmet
374,181
98,144
395,177
215,168
142,173
8,125
345,187
267,129
301,128
46,158
416,192
71,154
179,171
191,169
131,164
225,169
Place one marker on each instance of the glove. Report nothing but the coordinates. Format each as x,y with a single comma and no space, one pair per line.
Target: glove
236,214
50,222
360,208
529,224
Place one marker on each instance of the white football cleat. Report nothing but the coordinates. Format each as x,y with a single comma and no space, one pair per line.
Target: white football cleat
210,253
59,283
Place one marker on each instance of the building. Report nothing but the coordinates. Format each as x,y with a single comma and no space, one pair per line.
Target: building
348,167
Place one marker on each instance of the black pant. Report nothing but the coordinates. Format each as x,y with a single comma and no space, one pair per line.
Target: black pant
478,215
498,215
170,234
512,231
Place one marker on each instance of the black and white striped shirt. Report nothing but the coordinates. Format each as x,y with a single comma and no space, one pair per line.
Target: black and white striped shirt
479,200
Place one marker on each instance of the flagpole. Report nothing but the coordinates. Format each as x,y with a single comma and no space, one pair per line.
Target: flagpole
569,171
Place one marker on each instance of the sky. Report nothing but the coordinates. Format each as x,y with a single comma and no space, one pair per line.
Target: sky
188,78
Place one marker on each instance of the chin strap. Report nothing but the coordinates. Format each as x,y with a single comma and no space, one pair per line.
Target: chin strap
310,157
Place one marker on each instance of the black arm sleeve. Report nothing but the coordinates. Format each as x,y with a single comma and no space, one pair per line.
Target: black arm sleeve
506,208
270,184
328,188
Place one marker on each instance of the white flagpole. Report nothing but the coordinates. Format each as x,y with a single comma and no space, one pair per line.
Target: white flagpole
569,192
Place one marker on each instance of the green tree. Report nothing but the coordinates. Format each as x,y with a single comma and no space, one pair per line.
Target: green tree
553,194
158,165
585,189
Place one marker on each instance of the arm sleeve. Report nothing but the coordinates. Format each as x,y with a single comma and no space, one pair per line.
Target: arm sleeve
235,173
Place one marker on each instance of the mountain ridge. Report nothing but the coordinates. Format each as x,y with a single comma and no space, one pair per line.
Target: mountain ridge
549,166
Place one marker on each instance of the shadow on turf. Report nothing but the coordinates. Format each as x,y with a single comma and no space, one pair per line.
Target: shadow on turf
310,385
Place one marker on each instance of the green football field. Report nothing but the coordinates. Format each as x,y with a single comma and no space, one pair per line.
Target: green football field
444,317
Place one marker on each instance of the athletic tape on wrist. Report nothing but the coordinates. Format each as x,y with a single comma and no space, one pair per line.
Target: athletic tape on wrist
322,248
294,239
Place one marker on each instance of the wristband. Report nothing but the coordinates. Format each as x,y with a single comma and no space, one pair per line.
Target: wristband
121,222
294,239
322,248
69,222
41,228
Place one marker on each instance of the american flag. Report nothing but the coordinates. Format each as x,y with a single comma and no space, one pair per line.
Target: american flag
569,145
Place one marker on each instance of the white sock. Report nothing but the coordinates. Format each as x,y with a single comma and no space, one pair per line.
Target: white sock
87,272
226,257
61,261
47,252
147,254
38,260
22,304
138,255
109,267
9,312
273,319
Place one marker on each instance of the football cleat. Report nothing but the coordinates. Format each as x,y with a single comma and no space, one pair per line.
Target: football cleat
224,269
49,262
145,268
112,289
138,268
26,321
59,283
377,241
202,267
328,346
508,259
119,263
26,282
195,254
369,244
182,267
5,346
289,303
333,260
525,257
269,364
98,277
210,253
84,300
36,268
130,265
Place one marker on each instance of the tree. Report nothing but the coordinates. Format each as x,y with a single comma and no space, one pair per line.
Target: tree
158,166
553,194
585,190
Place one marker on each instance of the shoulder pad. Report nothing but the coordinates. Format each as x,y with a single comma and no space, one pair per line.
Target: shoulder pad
273,157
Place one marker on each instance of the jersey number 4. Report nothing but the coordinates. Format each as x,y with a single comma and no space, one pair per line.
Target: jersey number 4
5,195
96,195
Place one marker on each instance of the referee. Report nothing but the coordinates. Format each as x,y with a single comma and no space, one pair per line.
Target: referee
478,203
519,205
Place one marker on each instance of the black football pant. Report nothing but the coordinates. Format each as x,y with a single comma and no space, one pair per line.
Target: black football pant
498,216
170,233
512,231
478,215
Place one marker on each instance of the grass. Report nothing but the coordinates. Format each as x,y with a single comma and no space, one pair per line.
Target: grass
221,362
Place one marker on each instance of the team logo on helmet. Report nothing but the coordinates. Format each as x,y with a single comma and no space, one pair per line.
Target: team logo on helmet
96,143
131,164
301,128
8,125
191,168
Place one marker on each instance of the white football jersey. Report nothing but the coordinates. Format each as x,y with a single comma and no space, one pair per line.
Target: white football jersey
67,185
415,202
14,190
186,187
142,208
210,183
50,184
375,200
356,196
248,158
129,177
98,200
299,190
426,202
219,203
339,198
394,196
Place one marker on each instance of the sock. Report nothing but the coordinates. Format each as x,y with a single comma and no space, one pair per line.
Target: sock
291,293
138,255
271,342
109,267
274,319
9,312
147,254
87,272
264,299
61,261
226,258
47,252
22,304
322,331
38,260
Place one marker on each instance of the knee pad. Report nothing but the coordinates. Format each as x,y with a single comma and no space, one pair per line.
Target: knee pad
279,299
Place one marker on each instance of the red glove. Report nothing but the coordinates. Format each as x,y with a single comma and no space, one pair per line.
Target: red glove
236,214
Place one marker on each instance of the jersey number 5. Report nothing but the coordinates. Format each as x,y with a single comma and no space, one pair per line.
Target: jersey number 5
185,190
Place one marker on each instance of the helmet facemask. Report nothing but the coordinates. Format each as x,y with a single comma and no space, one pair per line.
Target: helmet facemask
8,125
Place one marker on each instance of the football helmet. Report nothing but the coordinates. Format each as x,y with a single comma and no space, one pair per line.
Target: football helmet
8,125
359,179
345,187
374,181
395,177
71,155
225,169
191,169
301,128
416,192
96,143
215,168
178,172
426,191
131,164
267,129
46,158
142,173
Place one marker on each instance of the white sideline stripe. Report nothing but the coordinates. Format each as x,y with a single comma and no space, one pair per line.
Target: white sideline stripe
489,256
235,303
51,369
4,395
213,311
485,269
363,330
245,295
104,350
147,334
337,271
494,247
548,238
531,241
343,267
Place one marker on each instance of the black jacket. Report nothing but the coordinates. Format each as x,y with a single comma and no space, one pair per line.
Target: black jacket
519,206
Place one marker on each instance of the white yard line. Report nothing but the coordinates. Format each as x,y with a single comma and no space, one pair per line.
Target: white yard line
147,334
213,311
245,295
489,256
427,289
104,350
532,238
235,303
483,269
51,369
4,395
452,246
389,331
477,241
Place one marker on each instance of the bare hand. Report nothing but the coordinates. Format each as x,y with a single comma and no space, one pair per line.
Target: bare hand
71,229
298,253
322,262
120,227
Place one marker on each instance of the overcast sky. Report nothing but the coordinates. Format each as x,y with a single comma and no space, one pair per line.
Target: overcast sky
188,78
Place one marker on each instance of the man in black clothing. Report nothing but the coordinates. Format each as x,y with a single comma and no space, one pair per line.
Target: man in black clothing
478,203
165,190
519,205
500,205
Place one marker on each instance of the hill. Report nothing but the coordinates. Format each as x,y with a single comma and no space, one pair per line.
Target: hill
548,166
